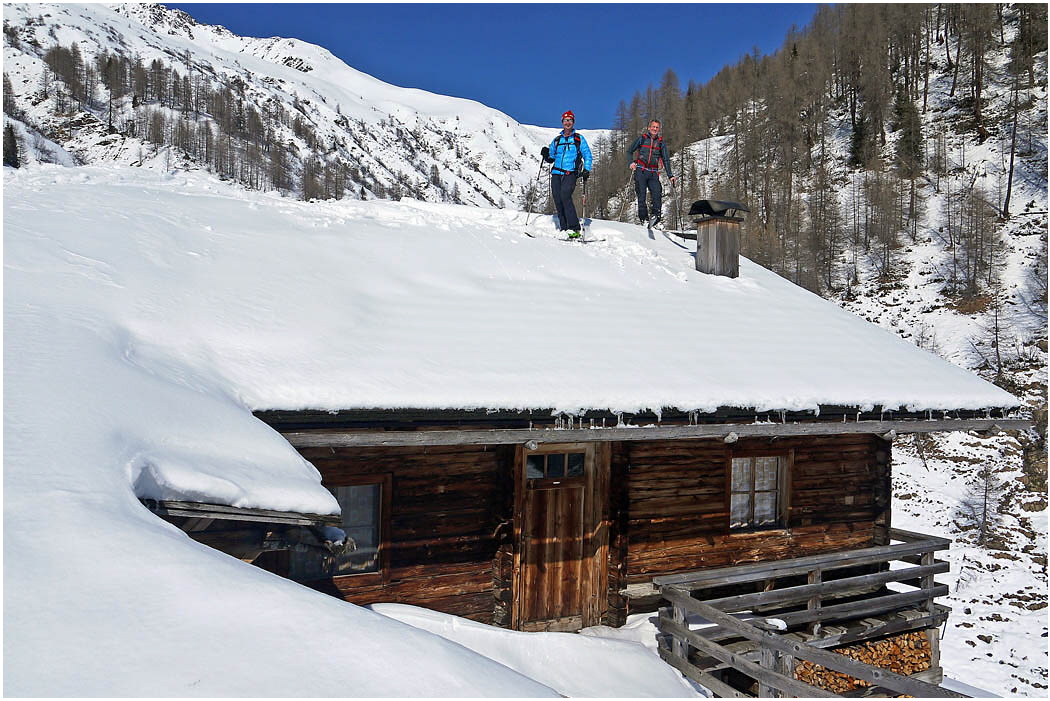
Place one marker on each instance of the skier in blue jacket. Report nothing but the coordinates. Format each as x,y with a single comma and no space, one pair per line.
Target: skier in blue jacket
571,157
651,151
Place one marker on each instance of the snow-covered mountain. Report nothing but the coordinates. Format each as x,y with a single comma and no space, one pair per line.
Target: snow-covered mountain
384,140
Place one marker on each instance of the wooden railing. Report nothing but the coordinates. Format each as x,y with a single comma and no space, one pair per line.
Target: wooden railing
770,660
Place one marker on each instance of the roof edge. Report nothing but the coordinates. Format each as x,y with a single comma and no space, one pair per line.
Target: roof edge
728,433
415,419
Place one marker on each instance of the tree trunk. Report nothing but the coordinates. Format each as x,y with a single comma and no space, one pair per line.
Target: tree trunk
926,71
955,75
1013,150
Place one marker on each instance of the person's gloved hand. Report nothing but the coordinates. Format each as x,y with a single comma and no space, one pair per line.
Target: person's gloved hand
545,153
585,174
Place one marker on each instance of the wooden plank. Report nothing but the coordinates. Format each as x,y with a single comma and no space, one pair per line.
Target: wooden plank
315,439
719,688
804,592
894,623
815,577
769,659
801,565
753,670
192,509
799,650
866,607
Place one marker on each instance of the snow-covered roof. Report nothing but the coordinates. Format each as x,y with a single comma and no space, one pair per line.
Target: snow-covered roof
345,305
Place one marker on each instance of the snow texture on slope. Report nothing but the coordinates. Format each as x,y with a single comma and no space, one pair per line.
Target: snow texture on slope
573,665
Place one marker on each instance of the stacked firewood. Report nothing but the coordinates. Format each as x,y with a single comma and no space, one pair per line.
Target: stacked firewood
904,654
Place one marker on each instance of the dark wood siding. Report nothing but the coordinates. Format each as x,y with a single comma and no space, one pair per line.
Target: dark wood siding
450,538
447,505
677,511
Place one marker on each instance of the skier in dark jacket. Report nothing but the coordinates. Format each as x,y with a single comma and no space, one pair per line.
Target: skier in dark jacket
571,157
651,150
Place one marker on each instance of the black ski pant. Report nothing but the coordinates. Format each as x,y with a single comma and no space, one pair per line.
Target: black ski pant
562,186
647,180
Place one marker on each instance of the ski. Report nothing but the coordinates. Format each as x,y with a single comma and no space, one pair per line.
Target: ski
582,240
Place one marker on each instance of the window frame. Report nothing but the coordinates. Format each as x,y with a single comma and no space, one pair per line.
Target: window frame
785,467
587,449
382,573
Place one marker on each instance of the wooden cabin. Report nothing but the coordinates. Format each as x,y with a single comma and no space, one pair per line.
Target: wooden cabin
766,471
533,521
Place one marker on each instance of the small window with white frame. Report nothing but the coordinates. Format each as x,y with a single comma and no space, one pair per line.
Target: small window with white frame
757,492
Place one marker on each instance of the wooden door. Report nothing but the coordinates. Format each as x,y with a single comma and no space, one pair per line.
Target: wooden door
562,540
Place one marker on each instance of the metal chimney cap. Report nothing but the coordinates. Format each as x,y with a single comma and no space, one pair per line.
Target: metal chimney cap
717,208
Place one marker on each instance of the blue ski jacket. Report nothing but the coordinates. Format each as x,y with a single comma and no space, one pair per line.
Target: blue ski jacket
565,152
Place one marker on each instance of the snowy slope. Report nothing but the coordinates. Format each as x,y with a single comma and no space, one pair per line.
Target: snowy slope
544,655
119,331
146,314
390,135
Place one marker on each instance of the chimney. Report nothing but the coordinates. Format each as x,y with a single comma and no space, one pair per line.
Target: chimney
718,236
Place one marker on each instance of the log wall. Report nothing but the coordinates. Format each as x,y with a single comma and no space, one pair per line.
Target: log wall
677,510
448,540
450,532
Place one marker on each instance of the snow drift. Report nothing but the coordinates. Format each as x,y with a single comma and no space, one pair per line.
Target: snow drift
147,314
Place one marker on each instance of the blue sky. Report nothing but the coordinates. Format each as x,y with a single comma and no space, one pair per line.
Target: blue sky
532,61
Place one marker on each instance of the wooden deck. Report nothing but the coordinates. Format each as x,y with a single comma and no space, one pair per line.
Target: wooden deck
803,606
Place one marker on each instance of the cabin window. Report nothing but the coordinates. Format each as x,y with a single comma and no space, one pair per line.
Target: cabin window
756,492
362,512
554,465
361,505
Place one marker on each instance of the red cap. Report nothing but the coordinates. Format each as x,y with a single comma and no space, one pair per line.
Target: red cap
569,114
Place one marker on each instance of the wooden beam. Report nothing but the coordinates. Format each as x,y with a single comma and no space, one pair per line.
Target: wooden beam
898,622
838,612
719,688
755,671
803,592
801,565
353,439
192,509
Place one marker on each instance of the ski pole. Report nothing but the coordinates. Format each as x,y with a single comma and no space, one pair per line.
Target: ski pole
678,207
532,197
584,222
626,195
